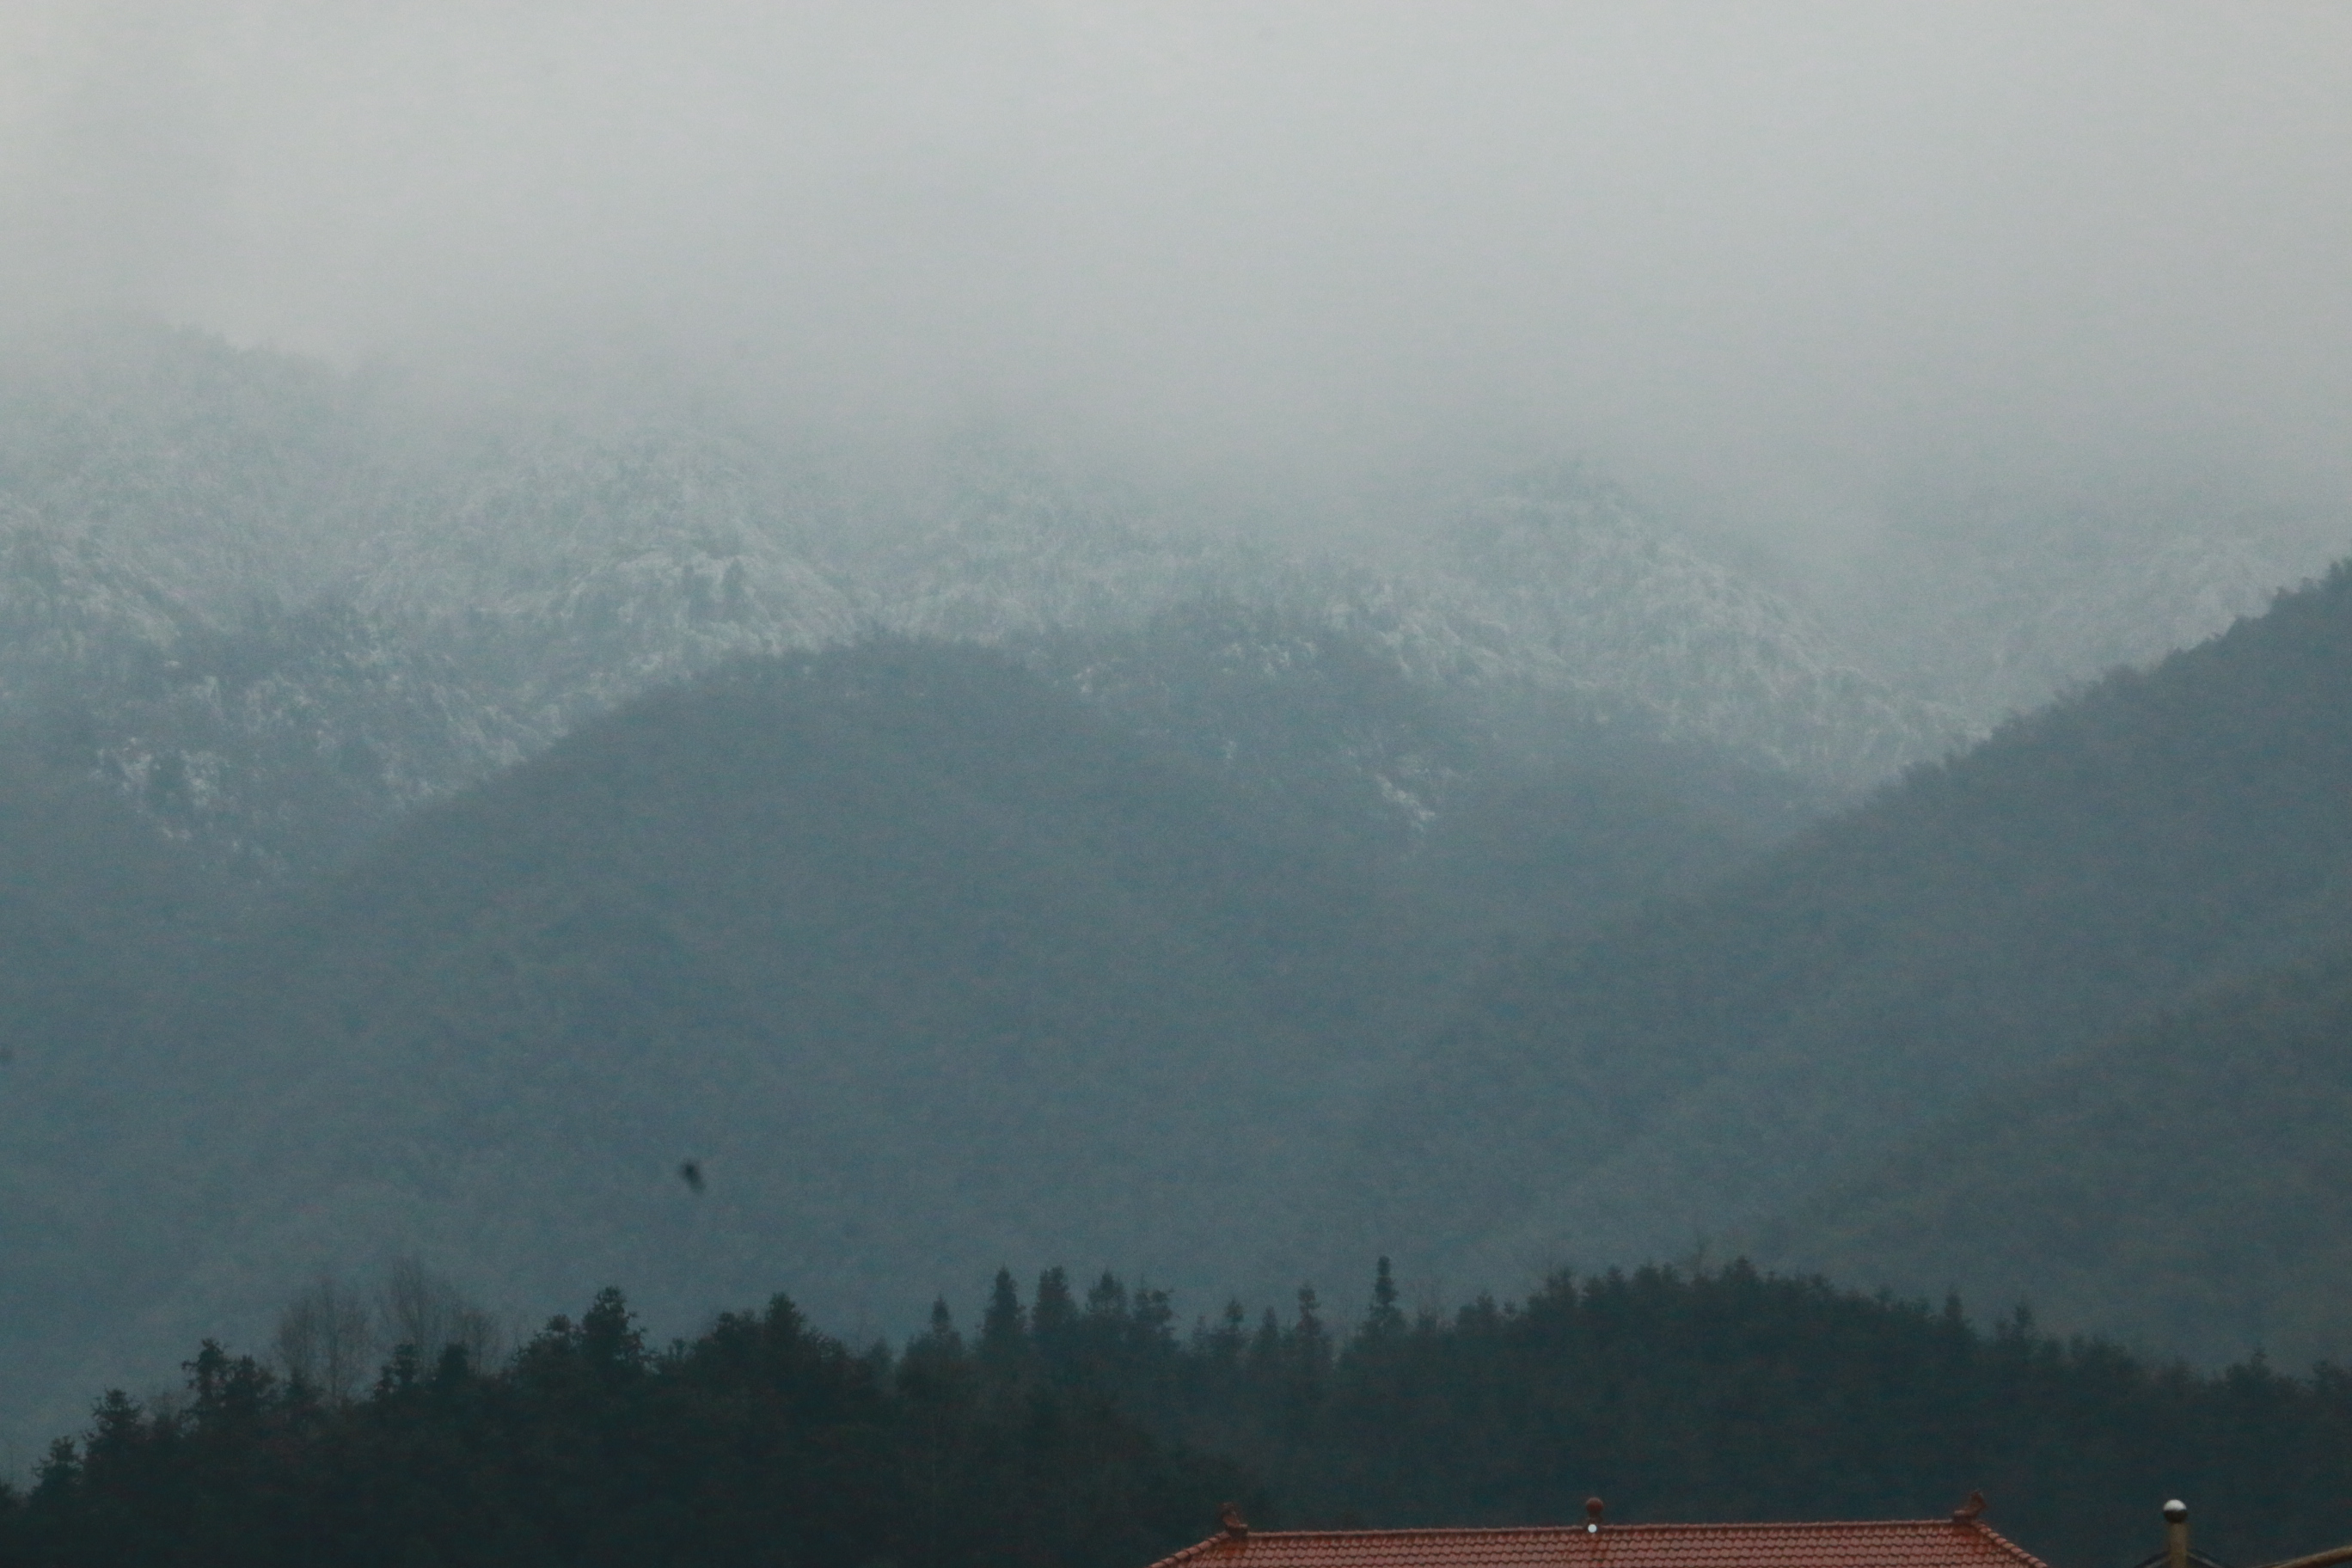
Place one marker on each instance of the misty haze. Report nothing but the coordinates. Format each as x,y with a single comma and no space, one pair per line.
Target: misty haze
839,783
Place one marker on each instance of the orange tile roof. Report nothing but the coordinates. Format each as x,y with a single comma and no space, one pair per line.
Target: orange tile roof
1884,1543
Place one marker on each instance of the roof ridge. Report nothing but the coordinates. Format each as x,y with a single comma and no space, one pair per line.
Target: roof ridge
1939,1521
1241,1545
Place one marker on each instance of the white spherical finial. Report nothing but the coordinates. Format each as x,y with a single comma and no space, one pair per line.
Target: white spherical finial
2175,1511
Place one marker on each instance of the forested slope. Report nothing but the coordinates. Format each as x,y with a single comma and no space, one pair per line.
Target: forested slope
926,966
99,920
2188,1185
1500,810
1628,1093
930,961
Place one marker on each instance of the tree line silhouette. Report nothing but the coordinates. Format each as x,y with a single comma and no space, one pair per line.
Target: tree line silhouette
1094,1432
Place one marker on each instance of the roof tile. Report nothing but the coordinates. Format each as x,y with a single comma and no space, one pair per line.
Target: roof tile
1879,1544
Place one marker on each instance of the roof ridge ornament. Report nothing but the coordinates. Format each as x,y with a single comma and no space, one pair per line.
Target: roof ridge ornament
1592,1510
1236,1528
1969,1511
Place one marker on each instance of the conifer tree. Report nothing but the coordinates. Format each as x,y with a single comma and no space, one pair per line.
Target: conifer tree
1385,1319
1003,1338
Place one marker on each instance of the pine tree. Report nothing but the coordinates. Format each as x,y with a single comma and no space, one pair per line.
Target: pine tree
1003,1329
1385,1319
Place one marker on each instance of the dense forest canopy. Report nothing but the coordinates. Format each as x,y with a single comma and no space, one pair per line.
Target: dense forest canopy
1094,1431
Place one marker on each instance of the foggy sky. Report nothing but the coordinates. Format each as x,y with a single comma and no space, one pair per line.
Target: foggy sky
1772,263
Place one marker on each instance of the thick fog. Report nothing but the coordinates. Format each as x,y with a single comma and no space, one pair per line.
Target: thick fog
1785,269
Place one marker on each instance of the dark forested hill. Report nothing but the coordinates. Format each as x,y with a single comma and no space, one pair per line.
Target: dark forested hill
2189,1184
98,917
929,960
1628,1093
1502,810
926,964
94,907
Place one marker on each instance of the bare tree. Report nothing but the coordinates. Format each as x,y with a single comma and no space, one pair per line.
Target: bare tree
428,1313
325,1338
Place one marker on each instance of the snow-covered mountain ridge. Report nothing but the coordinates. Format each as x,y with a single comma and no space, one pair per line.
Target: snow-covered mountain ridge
277,622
